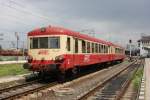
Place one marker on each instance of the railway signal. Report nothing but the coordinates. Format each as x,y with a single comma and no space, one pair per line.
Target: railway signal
130,43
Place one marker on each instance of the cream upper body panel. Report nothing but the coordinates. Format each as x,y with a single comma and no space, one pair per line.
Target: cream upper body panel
48,53
51,53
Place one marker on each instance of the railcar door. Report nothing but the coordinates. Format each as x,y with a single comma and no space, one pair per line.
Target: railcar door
76,50
109,53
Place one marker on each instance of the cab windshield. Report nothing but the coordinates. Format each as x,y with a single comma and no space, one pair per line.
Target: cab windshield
45,43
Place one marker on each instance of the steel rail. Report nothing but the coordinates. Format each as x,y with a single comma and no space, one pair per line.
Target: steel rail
138,90
127,83
16,86
92,91
27,91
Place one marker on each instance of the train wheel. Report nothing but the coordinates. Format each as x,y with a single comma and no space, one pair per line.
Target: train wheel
61,77
41,75
75,72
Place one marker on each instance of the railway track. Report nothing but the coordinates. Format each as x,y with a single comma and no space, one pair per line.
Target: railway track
77,88
24,89
114,87
19,91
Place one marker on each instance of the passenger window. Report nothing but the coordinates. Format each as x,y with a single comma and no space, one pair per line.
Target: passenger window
76,45
99,48
106,49
92,47
103,49
96,48
83,46
88,47
109,49
68,44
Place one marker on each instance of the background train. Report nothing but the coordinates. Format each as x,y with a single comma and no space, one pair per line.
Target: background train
13,53
59,50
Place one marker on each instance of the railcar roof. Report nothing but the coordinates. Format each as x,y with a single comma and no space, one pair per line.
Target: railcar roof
52,30
110,43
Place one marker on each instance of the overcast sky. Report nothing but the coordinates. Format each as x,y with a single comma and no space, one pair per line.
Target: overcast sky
112,20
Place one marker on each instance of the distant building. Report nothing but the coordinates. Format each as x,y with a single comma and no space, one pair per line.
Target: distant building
134,50
144,46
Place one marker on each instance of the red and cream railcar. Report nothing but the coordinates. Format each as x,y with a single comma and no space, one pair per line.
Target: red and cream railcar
53,48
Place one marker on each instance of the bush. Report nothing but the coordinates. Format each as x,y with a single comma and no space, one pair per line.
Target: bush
1,59
12,69
137,78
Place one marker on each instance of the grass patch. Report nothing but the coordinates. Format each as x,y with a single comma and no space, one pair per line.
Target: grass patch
137,78
12,69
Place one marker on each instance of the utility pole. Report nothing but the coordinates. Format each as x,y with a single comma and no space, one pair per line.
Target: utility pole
17,40
12,44
1,38
23,48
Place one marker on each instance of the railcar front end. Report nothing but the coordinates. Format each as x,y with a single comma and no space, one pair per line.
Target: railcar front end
46,53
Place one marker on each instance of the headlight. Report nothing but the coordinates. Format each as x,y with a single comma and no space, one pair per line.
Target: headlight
59,58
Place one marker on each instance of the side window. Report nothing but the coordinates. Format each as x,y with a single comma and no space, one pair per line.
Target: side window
112,50
68,44
116,51
99,48
106,49
102,49
88,47
76,45
96,48
92,47
109,49
83,46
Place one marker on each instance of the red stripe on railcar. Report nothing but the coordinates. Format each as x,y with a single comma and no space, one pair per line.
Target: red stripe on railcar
71,60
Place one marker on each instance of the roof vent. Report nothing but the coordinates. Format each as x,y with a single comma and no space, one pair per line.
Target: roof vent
43,29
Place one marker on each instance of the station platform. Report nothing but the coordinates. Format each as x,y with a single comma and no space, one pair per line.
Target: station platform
144,93
7,79
12,62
